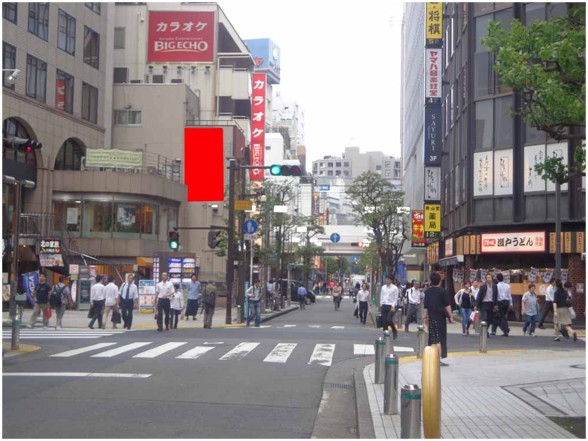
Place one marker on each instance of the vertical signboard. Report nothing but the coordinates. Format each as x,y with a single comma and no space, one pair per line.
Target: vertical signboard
503,184
433,136
258,125
483,174
204,164
432,221
60,94
432,183
433,58
418,230
434,24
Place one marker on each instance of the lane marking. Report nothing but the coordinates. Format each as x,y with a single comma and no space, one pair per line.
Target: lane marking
196,352
57,337
322,354
240,351
152,353
213,343
337,327
289,326
314,326
74,374
122,349
363,350
280,353
82,350
402,349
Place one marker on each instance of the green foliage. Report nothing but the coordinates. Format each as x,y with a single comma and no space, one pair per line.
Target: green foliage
554,170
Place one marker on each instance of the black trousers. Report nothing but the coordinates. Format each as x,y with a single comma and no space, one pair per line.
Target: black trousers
363,310
163,306
387,317
126,312
548,308
487,312
438,333
99,304
502,317
175,315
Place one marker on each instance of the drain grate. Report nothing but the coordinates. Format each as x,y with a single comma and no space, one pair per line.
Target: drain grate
338,386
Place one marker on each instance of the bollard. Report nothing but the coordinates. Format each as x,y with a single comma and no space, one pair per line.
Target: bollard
15,345
483,336
431,394
380,359
391,385
410,412
421,340
477,323
388,340
239,315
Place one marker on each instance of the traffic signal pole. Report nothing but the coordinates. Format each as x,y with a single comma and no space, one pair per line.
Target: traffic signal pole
231,240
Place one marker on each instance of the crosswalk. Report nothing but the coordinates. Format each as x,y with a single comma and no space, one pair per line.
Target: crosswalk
61,334
321,354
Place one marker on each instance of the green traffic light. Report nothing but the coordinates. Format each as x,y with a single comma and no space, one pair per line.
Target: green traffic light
173,244
276,170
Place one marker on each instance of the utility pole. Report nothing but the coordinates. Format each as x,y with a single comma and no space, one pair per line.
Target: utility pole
243,260
231,240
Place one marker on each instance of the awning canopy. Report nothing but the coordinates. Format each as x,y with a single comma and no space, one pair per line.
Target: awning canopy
451,261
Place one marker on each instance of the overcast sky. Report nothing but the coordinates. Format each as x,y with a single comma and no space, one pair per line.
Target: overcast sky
340,61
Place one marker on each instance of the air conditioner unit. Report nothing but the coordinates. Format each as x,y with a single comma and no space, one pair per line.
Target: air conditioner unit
136,82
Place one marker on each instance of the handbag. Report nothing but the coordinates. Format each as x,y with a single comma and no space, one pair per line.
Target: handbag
572,313
48,314
356,311
92,312
474,316
116,317
569,302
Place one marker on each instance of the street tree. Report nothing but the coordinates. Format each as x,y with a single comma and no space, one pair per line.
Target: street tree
306,249
545,62
377,207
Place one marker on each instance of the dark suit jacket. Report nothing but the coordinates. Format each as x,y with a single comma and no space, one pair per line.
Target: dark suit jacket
482,294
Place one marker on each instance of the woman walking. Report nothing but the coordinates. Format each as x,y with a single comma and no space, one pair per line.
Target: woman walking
363,296
561,311
465,301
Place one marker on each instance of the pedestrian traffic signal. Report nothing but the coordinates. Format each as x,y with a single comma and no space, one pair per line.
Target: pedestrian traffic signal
213,238
174,239
285,170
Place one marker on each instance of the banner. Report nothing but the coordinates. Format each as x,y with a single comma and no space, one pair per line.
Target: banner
432,221
60,94
433,135
257,126
146,296
432,183
418,232
29,281
483,173
520,242
113,158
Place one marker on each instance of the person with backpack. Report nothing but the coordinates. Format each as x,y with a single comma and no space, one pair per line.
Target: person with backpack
302,296
41,296
209,301
59,299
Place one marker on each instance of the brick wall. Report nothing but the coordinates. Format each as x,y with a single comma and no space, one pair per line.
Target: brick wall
577,274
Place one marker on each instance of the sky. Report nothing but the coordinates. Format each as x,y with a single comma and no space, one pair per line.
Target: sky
340,61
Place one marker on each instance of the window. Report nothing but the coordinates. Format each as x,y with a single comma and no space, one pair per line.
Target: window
346,164
158,79
70,155
39,20
483,75
10,128
94,7
36,78
119,38
330,164
482,31
484,125
127,117
97,218
121,75
149,219
128,217
337,164
503,122
8,62
66,33
68,214
89,103
64,90
9,11
91,47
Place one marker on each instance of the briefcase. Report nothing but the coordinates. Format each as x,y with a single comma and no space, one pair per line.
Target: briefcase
116,317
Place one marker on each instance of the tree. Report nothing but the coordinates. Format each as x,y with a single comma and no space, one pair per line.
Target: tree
376,205
306,249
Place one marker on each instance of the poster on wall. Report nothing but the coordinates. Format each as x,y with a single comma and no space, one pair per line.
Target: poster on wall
483,173
146,296
473,274
458,275
432,183
534,154
503,185
557,151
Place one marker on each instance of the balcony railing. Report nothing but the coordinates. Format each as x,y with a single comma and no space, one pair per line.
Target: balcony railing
36,225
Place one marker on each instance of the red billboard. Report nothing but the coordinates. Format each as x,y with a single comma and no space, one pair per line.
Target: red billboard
204,164
418,230
257,125
60,94
184,37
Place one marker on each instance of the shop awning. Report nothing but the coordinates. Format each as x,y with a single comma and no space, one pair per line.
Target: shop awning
450,261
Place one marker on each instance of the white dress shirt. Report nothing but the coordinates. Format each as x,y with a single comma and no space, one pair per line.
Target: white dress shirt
164,289
415,296
549,293
133,291
363,295
389,295
97,292
110,294
504,292
177,301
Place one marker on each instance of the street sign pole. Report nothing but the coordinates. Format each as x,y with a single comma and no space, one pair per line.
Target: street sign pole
230,241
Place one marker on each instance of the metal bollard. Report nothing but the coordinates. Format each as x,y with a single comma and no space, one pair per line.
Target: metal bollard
380,359
388,340
410,412
391,385
477,324
483,336
239,315
431,379
421,340
15,345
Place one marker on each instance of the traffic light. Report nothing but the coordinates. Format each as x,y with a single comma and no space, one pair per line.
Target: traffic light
213,238
174,239
356,244
27,145
285,170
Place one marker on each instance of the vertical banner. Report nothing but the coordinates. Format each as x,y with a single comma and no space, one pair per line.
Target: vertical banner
432,221
432,183
258,125
434,24
503,161
483,173
534,154
29,281
433,58
204,164
433,135
60,94
418,230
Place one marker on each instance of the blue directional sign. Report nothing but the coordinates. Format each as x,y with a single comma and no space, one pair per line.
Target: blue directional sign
250,226
324,187
335,237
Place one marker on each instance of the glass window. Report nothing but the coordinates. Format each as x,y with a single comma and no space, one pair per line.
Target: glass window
329,173
337,164
505,18
149,220
346,164
9,11
70,155
503,122
89,103
8,62
13,128
127,117
97,218
121,75
66,33
482,31
39,20
480,7
557,10
91,47
36,78
64,90
534,12
534,136
484,125
172,219
94,7
128,217
119,38
330,164
68,217
483,76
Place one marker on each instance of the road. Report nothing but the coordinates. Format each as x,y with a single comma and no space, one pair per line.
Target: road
230,382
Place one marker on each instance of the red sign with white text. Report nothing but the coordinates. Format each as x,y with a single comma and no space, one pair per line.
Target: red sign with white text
184,37
60,94
204,164
257,126
418,229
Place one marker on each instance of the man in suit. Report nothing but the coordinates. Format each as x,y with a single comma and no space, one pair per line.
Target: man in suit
487,300
129,300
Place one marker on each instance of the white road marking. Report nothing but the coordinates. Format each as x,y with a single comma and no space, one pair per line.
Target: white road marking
289,326
213,343
83,350
402,349
363,350
240,351
322,354
193,354
152,353
122,349
265,326
314,326
74,374
337,327
280,353
57,337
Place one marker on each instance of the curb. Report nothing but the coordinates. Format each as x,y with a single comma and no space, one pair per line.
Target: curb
23,349
277,314
365,423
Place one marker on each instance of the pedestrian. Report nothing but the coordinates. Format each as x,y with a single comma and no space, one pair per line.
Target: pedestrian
41,295
465,301
568,287
97,299
415,297
163,293
561,312
176,306
302,297
270,288
194,297
437,311
129,300
253,294
529,310
388,303
504,305
363,297
111,297
487,300
337,293
209,300
59,299
548,307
